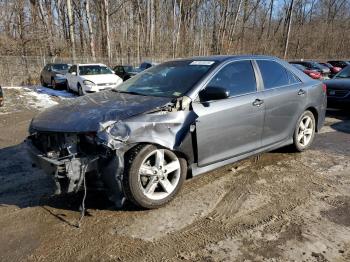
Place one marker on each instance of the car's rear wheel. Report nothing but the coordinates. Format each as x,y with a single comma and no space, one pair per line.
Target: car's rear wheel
153,176
304,133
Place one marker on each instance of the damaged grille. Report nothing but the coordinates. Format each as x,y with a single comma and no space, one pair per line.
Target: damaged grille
56,145
62,145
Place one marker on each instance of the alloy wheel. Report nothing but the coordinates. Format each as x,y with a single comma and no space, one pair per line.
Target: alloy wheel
305,131
159,174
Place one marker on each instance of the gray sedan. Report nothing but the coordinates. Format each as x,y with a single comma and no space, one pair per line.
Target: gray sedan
54,75
175,120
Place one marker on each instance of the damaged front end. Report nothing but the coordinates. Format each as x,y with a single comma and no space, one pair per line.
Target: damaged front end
100,155
67,157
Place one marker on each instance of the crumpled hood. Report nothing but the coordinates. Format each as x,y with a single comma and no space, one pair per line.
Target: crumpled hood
84,114
338,83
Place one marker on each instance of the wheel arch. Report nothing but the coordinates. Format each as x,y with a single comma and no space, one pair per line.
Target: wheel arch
314,111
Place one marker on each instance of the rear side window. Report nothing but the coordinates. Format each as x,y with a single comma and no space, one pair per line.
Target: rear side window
237,77
275,75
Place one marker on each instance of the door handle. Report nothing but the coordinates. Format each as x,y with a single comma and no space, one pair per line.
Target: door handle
258,102
301,92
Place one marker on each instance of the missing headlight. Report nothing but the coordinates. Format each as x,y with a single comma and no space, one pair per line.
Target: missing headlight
120,131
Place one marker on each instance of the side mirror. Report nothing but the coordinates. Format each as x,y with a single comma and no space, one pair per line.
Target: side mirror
74,73
113,71
213,93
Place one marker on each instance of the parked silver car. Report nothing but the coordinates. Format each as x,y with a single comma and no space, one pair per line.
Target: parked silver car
54,75
175,120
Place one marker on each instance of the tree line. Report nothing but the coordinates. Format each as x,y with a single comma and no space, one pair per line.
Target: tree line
174,28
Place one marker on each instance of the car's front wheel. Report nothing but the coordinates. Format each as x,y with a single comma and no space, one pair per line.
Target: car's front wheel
53,84
304,133
153,176
80,90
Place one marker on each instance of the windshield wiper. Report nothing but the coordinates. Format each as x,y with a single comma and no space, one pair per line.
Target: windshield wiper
128,92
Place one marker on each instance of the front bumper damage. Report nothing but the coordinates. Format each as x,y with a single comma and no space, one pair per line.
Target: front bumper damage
68,172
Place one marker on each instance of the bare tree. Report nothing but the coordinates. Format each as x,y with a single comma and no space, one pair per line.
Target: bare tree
290,15
91,33
71,28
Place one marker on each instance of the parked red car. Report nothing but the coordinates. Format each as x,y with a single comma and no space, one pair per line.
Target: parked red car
334,69
311,73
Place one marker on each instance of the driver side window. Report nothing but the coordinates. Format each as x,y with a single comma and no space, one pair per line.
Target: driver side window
237,77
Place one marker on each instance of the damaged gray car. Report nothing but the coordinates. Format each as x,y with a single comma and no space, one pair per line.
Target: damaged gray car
173,121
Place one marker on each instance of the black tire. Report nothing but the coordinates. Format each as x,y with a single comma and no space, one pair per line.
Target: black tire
80,90
298,146
53,84
131,178
67,87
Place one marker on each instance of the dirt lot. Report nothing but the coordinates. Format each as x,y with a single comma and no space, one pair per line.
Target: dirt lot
281,207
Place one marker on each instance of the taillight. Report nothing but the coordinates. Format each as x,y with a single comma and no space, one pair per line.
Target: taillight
315,75
324,87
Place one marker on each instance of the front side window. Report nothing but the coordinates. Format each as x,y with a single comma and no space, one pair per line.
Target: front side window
273,74
238,78
170,79
73,69
94,70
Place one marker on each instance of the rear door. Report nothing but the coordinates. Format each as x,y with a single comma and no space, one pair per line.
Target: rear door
284,97
232,126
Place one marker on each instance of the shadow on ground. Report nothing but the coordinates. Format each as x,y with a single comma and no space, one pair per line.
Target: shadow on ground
25,186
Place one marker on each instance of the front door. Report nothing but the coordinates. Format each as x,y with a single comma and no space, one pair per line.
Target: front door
232,126
72,77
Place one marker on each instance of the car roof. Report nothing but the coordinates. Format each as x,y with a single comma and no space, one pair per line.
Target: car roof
91,64
222,58
58,64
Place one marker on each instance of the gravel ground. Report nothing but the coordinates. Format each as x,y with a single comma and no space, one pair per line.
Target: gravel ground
281,207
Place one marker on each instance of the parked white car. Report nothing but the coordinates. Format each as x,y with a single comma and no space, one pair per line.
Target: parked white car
91,78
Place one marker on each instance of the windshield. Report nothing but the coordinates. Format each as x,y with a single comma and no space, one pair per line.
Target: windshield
60,67
345,73
170,79
94,70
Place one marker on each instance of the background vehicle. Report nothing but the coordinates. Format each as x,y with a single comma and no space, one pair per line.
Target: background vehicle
91,78
312,65
312,73
145,65
339,63
1,97
338,89
334,69
54,75
142,137
125,71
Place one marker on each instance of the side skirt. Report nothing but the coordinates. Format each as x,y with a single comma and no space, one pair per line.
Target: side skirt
196,170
